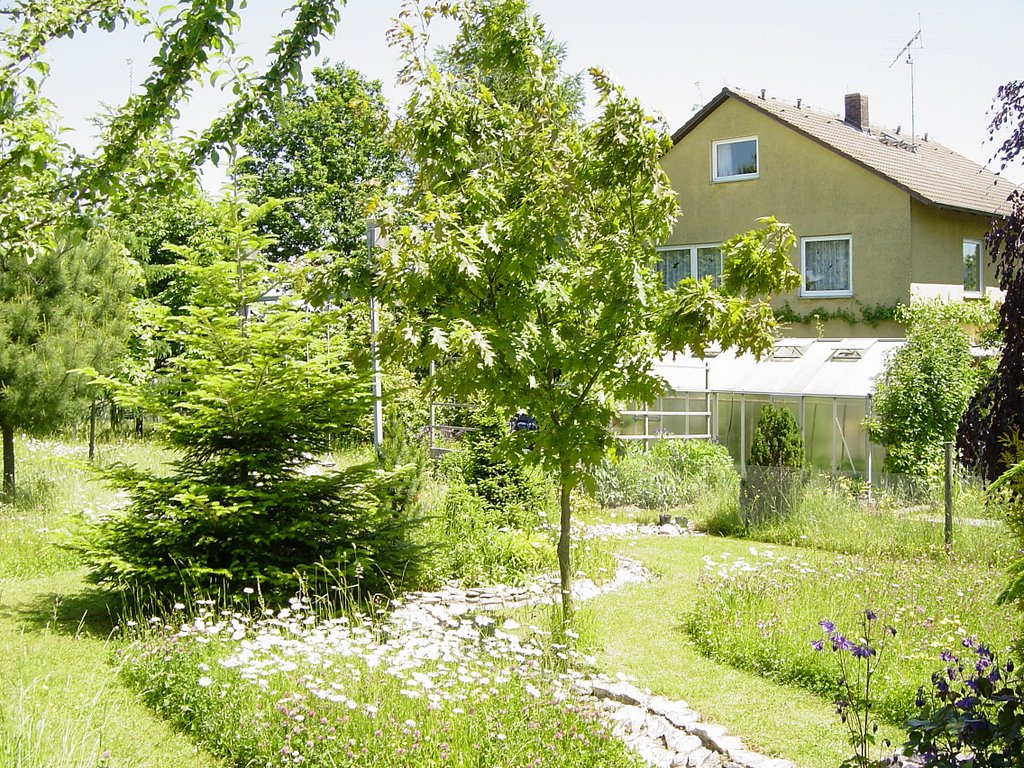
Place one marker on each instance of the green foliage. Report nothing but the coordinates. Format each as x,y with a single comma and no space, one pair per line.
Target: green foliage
472,543
523,261
665,474
777,439
924,391
250,401
996,412
870,315
324,150
760,611
514,493
64,309
975,706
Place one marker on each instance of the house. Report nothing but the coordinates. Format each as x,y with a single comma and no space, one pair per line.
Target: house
881,216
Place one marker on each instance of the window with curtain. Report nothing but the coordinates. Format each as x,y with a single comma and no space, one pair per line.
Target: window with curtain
709,261
735,159
681,261
827,266
972,266
675,265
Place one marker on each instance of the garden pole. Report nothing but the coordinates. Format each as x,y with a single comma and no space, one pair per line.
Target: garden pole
949,496
378,420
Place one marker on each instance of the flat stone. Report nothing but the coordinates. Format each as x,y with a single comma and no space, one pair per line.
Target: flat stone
653,754
629,719
680,716
727,744
708,733
710,760
748,759
658,727
621,692
458,609
696,758
682,742
659,703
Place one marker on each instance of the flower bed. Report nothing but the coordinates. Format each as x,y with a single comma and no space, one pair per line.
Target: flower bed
761,613
412,688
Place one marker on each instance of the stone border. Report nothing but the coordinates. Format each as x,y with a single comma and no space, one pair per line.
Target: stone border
667,733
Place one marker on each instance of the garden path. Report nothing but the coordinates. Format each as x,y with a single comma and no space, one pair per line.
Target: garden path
665,733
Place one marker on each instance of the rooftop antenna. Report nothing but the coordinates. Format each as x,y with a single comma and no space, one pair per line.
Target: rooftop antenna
909,50
700,97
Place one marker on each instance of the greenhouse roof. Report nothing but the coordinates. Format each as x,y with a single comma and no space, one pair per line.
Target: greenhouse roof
796,368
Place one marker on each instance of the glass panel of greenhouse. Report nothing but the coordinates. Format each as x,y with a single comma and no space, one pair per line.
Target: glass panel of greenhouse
825,383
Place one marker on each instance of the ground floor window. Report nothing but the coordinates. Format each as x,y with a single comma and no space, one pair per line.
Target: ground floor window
681,261
973,283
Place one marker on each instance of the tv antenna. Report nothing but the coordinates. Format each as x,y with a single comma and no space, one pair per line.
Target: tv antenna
909,50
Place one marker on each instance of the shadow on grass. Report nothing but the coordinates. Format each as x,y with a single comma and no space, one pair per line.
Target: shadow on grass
89,612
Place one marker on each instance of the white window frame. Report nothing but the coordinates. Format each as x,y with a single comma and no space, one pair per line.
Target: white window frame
804,291
715,178
692,253
981,267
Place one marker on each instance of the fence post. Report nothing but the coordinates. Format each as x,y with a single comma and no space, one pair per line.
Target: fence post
948,445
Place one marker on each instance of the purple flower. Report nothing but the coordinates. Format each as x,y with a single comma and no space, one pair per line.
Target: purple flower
863,651
948,658
870,615
967,702
891,631
840,643
827,625
817,644
919,702
969,642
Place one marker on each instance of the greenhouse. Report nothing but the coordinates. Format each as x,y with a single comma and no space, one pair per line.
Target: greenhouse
826,383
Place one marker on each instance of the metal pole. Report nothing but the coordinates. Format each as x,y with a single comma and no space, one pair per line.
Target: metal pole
743,435
948,532
378,416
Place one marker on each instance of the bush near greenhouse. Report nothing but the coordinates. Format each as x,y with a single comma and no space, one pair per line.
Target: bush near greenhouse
776,460
664,474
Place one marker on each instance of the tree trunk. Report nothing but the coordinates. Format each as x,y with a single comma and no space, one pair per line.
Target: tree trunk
8,441
92,430
564,566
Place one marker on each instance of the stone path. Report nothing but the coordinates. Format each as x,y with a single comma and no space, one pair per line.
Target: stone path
663,732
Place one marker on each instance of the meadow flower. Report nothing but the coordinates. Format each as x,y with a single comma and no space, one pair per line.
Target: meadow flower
204,682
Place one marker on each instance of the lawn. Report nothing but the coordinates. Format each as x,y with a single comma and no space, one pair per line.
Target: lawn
726,626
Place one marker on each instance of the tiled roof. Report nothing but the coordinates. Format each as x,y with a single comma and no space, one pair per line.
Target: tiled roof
927,170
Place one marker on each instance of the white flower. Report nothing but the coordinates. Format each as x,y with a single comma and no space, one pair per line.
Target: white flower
205,682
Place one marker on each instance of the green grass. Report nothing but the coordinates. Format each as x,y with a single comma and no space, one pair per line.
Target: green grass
61,704
641,632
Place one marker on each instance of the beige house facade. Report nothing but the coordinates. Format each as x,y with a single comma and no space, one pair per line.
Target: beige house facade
880,216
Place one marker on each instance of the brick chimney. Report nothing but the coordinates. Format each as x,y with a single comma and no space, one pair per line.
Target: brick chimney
857,110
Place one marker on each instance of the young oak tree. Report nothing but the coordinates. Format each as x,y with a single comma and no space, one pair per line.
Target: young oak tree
522,260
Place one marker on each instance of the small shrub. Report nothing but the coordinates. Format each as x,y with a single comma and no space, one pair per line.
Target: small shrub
776,459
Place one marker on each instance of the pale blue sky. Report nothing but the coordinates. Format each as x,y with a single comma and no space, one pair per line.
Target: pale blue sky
673,55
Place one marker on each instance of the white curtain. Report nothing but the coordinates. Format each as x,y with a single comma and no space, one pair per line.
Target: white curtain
675,265
827,265
709,262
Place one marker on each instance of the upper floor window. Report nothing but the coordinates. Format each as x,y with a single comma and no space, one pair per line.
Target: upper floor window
826,265
734,159
681,261
973,283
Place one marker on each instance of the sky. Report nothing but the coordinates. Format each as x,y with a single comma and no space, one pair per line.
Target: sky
674,55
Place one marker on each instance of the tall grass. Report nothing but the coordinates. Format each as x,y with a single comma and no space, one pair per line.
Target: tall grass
761,612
